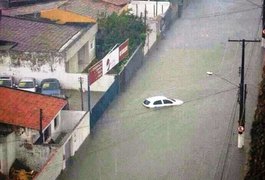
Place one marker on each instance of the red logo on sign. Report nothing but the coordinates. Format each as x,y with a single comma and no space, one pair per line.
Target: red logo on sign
124,50
95,72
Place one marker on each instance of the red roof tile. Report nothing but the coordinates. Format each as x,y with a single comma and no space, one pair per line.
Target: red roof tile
22,108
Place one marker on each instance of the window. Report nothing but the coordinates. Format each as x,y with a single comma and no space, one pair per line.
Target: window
56,122
92,45
47,133
167,101
158,102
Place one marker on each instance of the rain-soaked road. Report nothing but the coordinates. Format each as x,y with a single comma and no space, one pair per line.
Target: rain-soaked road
190,141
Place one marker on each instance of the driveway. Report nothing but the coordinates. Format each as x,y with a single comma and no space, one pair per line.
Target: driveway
190,141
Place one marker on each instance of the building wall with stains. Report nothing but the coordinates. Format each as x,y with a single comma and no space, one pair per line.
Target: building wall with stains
40,66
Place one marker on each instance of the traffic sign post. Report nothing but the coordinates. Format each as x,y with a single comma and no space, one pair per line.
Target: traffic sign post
242,94
241,135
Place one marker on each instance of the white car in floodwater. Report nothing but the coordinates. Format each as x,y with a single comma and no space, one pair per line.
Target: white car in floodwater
161,101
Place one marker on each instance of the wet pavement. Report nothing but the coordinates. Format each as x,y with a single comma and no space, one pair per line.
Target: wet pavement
198,139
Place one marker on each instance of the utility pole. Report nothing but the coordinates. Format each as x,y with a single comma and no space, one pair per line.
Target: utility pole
41,127
263,24
242,94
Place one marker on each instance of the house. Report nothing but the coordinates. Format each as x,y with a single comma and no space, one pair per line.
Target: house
36,45
36,131
95,8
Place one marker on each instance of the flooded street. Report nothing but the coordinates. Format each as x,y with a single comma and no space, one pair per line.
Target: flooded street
186,142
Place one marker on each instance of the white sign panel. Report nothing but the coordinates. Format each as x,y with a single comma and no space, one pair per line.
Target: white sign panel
110,60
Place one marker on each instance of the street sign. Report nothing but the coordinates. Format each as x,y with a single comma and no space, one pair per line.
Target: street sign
240,129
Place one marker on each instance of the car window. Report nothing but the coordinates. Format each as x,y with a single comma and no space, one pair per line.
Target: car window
50,86
158,102
25,85
5,82
167,101
146,102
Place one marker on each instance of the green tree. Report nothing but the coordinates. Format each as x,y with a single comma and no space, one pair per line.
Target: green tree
115,29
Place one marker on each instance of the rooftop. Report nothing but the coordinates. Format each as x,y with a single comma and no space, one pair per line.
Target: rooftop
22,108
30,9
34,36
94,8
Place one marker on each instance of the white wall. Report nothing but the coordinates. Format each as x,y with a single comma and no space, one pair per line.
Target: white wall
77,123
138,7
151,37
103,83
67,80
7,152
80,133
53,166
88,36
55,132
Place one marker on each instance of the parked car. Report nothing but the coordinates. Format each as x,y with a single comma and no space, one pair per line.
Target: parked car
7,81
51,87
28,84
161,101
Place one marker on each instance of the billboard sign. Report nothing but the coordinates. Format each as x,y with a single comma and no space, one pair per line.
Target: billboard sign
110,60
95,72
124,50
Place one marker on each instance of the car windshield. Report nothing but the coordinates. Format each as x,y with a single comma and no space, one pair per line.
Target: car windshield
146,102
25,85
50,86
5,82
173,100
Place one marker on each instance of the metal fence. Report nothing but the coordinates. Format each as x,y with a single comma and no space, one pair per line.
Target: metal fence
103,103
133,64
121,81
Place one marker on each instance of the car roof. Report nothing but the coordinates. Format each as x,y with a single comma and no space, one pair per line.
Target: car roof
49,80
5,77
155,98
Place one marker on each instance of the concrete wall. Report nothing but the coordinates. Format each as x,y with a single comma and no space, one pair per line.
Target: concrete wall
55,131
53,167
152,35
80,133
34,156
7,152
76,124
83,40
40,66
103,83
138,8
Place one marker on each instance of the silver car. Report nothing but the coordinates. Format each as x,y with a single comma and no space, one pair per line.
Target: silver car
28,84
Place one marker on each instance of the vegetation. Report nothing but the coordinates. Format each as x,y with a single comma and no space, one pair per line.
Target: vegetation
257,145
115,29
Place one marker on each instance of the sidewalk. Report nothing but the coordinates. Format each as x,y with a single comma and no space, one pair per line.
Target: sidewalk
235,160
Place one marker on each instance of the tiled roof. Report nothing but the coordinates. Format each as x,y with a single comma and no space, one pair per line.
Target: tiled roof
117,2
33,36
90,7
22,108
30,9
